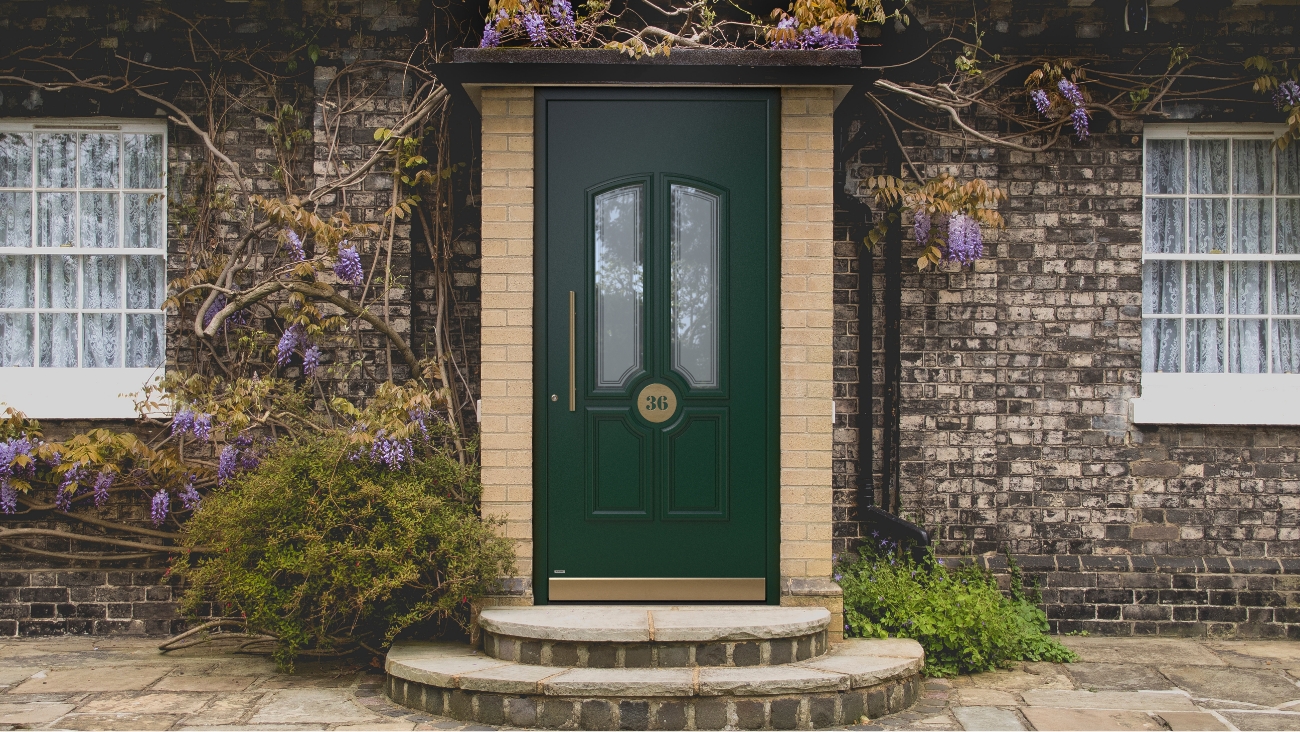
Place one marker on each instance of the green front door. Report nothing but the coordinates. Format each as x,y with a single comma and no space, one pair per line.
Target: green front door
656,463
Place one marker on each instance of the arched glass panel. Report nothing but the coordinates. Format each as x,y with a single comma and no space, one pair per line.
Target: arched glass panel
695,244
620,276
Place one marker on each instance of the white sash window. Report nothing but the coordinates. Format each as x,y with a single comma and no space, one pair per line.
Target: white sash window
83,275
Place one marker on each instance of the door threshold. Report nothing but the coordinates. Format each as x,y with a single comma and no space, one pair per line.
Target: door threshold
657,589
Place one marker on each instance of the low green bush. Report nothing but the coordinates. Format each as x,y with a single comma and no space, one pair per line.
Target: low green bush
960,617
326,549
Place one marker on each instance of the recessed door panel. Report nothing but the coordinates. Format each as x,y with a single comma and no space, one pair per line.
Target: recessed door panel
695,467
619,469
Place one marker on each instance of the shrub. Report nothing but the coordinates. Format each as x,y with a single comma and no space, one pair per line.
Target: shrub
960,617
326,549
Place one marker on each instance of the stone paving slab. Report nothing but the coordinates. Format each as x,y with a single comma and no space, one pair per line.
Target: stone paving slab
987,719
1135,700
113,678
1051,720
665,624
1263,721
1192,722
32,713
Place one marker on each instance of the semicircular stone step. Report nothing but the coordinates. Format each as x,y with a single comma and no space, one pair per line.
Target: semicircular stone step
857,679
622,636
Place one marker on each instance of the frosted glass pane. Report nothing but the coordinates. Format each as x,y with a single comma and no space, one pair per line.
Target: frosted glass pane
16,282
99,220
56,161
56,220
1204,288
1247,284
100,283
695,294
1162,287
99,160
1160,351
144,220
1286,346
15,219
1288,224
620,263
1252,166
144,341
1165,225
1252,231
15,160
1166,166
1209,170
143,161
59,340
16,339
1204,346
100,346
58,282
1288,170
1247,351
146,282
1208,225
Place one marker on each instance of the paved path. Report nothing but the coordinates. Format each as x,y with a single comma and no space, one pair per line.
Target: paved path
1119,684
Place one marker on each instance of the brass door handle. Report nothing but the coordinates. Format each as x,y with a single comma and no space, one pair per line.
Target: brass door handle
573,380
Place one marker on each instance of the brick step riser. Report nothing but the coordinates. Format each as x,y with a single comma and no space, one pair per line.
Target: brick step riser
758,652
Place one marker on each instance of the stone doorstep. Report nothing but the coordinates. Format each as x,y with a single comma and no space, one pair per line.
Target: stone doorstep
852,664
657,623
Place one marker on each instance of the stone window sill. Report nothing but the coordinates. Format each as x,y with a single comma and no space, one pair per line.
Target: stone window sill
1218,399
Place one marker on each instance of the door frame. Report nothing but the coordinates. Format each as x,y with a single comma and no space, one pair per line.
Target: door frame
772,96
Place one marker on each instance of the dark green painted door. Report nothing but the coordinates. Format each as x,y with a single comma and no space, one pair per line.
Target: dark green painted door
657,351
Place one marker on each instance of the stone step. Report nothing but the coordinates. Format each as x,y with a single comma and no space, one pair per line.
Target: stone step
658,636
856,678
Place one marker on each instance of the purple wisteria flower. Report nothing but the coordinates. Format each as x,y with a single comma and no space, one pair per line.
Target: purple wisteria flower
159,506
787,23
535,24
311,360
70,487
491,37
236,457
103,482
239,317
965,241
562,13
1070,91
290,341
187,421
348,268
1079,118
817,38
1041,101
391,452
295,245
189,496
1287,95
921,226
8,498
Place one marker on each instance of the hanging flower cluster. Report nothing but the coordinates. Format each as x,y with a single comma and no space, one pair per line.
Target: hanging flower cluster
788,36
1062,98
236,457
947,216
187,421
544,24
16,463
348,267
1287,95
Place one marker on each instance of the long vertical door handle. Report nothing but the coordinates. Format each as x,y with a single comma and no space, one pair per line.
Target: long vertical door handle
573,380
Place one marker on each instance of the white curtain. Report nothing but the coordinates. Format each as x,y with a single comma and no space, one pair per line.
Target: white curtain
16,329
1209,169
1286,333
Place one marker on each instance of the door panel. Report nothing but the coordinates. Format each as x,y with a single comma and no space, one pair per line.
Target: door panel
656,210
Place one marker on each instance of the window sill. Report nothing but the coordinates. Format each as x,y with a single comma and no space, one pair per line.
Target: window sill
74,393
1218,399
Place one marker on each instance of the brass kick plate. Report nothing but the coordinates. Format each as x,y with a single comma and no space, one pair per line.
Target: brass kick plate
658,589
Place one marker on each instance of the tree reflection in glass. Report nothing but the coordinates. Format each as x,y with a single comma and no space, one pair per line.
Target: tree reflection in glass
620,265
695,285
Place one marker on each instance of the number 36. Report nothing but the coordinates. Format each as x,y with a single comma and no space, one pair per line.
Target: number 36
653,403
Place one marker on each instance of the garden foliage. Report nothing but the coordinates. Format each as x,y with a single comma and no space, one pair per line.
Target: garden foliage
328,549
960,617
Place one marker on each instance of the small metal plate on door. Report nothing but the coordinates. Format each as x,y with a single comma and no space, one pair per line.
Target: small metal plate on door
656,403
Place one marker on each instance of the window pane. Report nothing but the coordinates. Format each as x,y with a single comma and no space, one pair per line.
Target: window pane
1286,288
99,160
1249,355
146,282
56,161
1160,352
100,346
144,220
100,283
1246,281
16,282
1164,233
143,161
15,339
619,283
58,282
56,221
1166,167
695,285
1286,346
1204,288
1288,170
1209,171
1204,346
1288,224
1162,287
144,341
59,340
99,220
15,160
1253,226
15,219
1252,162
1208,228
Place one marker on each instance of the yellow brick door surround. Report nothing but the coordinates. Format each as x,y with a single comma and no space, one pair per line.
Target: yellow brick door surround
806,314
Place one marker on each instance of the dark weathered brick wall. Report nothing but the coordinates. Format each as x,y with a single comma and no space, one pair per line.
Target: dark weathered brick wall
50,601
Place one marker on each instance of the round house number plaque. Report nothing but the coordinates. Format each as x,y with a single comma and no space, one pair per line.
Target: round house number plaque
657,403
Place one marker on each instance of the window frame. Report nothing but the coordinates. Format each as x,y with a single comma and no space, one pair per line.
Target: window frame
1228,398
82,391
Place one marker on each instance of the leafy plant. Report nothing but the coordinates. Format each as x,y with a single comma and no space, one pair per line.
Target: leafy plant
960,617
327,549
947,215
